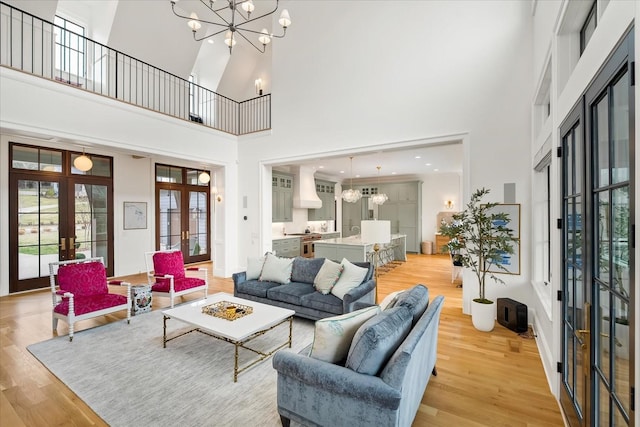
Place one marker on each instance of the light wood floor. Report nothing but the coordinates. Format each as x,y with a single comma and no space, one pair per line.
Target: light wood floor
484,379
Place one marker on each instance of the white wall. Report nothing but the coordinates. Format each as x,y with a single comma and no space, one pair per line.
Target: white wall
455,68
44,109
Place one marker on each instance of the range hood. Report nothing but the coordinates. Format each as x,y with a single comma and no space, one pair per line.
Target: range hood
304,189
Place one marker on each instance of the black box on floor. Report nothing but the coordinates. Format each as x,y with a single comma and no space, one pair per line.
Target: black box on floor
512,315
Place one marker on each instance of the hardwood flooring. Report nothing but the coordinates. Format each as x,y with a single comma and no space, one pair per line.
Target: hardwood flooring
484,379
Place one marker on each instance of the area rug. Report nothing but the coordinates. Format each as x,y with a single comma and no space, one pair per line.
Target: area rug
125,375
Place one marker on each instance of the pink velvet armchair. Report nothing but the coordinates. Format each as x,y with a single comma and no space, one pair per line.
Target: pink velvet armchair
79,291
168,277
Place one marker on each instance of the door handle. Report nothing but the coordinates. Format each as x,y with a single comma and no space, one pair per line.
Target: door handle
63,243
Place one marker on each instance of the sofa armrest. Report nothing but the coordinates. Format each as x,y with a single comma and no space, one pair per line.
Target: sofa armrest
358,293
239,278
336,379
359,305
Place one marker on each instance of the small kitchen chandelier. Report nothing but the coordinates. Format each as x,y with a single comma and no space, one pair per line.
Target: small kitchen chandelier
351,195
231,18
379,198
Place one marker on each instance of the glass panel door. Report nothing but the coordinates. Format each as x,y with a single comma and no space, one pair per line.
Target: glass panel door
170,219
198,223
37,227
56,214
599,281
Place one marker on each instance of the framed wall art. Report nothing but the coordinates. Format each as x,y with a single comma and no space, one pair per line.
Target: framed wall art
135,215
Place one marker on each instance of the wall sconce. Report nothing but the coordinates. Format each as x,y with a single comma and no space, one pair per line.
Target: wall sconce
258,84
448,204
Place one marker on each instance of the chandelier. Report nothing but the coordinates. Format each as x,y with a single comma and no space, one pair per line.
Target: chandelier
351,195
379,198
231,18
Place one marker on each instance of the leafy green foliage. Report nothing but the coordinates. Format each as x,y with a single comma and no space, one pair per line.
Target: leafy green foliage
479,237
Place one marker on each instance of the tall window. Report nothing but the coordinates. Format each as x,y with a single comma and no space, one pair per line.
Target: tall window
588,28
70,46
542,232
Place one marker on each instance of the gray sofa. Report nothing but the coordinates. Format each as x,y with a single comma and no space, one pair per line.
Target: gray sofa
300,294
317,393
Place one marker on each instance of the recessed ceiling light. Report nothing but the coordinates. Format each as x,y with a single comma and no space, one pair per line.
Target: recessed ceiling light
418,157
436,170
320,167
341,171
210,41
357,176
427,164
393,173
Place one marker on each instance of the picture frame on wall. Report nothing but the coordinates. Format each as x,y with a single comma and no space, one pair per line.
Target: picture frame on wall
510,262
135,215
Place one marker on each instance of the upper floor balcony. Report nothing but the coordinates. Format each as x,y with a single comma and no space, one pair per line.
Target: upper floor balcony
47,50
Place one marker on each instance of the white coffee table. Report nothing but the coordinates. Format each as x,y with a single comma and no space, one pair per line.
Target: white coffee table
237,332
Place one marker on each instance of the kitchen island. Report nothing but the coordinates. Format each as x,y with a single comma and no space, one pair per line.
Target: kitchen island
355,250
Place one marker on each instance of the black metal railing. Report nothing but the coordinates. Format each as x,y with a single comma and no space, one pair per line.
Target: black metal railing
33,45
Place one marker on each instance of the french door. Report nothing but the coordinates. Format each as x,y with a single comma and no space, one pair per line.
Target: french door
599,280
182,212
56,213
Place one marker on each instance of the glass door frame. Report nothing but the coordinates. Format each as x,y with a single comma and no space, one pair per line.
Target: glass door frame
185,190
66,181
589,333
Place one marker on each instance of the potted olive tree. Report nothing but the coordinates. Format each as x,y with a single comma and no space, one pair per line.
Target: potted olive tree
479,239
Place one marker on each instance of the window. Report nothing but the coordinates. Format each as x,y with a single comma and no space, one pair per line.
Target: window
588,28
70,46
542,232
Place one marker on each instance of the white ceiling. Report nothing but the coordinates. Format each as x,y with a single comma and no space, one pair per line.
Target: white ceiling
398,163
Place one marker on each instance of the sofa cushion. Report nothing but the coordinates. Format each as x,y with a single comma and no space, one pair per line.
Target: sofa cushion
276,269
327,276
390,300
291,293
351,277
415,299
328,303
333,335
256,288
377,339
305,269
369,268
254,267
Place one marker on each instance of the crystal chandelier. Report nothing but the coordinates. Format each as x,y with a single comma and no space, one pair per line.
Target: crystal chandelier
231,18
379,198
351,195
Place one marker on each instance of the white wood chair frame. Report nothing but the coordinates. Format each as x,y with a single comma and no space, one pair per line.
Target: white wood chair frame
71,318
202,272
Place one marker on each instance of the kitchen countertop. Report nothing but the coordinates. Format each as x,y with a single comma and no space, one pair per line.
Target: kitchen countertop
297,236
354,240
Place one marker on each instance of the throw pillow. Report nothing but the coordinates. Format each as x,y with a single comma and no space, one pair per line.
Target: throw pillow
276,269
305,269
327,276
350,278
254,267
416,300
376,341
390,300
333,335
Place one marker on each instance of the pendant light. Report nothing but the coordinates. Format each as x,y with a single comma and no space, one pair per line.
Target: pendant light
83,163
379,198
351,195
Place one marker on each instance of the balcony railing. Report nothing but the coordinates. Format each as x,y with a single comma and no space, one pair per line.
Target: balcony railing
39,47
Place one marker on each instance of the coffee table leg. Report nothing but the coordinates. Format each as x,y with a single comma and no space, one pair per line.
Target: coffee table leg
235,365
164,333
290,330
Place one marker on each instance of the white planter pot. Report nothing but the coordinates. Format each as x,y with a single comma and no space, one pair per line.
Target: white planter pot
483,316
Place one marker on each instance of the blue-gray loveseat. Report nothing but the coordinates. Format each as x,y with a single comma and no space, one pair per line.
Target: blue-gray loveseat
300,295
403,344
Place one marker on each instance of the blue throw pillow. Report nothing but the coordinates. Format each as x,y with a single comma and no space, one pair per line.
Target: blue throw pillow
305,269
375,342
415,299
